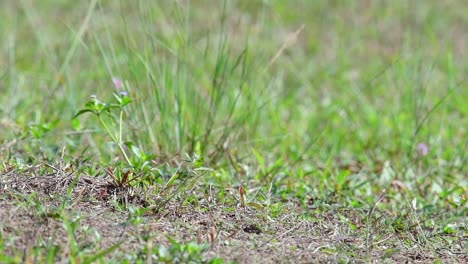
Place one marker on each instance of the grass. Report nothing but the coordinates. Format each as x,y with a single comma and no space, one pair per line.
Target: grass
233,131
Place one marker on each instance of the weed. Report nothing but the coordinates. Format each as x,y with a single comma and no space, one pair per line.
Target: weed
181,253
104,112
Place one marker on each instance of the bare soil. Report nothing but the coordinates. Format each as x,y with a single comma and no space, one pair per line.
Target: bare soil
31,219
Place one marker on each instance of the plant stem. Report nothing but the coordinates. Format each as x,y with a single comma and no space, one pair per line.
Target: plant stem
120,126
118,142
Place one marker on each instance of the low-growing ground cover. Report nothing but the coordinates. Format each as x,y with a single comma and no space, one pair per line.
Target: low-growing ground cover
233,131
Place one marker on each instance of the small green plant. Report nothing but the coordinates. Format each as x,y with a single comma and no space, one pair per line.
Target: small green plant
105,113
177,252
38,130
135,216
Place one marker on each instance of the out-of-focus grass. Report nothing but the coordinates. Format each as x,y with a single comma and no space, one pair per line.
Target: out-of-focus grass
333,96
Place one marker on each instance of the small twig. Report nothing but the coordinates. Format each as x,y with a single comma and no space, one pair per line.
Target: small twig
282,235
383,240
368,235
242,197
290,40
318,248
418,222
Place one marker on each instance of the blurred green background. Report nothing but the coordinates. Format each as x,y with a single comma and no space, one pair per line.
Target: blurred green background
312,84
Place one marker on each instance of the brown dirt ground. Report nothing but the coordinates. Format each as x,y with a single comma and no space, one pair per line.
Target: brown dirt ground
240,235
